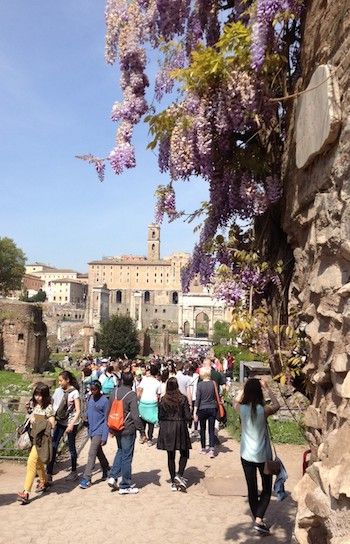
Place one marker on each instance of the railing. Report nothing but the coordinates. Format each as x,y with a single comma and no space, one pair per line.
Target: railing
12,415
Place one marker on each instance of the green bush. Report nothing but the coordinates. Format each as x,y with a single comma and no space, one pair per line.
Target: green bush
240,354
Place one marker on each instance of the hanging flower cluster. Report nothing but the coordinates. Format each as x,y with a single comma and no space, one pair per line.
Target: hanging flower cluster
166,204
222,126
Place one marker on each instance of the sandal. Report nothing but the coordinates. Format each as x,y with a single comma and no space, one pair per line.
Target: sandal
41,487
23,497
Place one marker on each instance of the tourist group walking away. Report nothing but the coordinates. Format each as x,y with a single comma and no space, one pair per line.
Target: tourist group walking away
124,400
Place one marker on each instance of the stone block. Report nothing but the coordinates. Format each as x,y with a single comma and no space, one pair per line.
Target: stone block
344,291
318,503
345,390
341,362
313,418
318,116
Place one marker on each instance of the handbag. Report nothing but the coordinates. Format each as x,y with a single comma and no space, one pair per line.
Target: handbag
273,466
24,441
221,412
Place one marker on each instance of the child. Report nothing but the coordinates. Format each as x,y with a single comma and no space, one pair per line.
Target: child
41,423
97,411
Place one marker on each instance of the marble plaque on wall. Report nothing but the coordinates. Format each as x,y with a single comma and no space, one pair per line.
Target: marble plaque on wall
318,116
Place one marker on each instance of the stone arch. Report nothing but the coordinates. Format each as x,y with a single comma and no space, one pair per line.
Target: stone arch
118,297
146,297
186,328
202,325
175,297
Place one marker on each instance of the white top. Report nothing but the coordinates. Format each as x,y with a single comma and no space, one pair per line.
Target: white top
193,385
183,381
151,388
71,405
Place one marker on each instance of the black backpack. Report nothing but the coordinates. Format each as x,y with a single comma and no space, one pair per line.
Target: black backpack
62,411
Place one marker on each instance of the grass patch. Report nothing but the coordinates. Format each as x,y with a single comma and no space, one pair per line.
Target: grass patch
57,357
283,432
12,382
8,435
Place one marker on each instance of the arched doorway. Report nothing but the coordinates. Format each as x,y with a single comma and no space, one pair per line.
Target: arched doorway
186,328
202,325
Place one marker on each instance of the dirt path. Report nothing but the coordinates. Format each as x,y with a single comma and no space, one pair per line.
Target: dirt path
68,514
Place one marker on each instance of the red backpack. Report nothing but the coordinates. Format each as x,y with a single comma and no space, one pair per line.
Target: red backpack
116,419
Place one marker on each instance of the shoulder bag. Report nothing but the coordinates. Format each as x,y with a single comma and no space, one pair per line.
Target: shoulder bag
221,412
273,466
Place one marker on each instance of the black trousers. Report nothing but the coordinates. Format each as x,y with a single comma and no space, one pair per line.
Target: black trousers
184,455
258,505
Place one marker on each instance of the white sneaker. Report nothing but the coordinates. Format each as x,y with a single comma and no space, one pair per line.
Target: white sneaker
149,443
128,491
173,486
72,476
112,483
181,482
203,451
211,454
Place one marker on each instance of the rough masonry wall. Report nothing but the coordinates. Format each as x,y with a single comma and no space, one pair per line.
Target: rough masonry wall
317,221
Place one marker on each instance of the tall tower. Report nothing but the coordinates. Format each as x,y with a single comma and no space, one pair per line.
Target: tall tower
153,243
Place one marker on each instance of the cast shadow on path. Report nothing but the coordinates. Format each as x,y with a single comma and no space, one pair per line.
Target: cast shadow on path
142,479
194,476
281,518
7,498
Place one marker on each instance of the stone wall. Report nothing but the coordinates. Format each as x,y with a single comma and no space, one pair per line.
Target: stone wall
23,336
317,221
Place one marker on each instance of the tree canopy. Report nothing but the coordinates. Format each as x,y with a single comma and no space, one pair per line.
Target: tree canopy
118,337
12,266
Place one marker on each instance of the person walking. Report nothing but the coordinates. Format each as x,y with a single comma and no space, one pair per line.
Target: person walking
125,438
67,415
205,409
97,410
174,417
148,392
41,423
255,446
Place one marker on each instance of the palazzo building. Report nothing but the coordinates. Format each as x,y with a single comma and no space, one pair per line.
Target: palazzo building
145,288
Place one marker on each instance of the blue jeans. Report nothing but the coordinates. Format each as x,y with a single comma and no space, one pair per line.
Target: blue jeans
123,459
57,435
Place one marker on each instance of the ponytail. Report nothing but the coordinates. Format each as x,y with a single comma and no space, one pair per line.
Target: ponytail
69,377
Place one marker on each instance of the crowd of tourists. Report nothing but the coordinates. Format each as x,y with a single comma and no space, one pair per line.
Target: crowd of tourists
126,399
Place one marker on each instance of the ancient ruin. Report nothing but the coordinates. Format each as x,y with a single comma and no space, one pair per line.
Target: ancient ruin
317,222
23,345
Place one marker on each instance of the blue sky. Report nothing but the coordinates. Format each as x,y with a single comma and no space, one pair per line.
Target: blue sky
56,94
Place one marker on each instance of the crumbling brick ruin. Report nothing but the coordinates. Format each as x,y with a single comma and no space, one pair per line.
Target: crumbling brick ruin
23,342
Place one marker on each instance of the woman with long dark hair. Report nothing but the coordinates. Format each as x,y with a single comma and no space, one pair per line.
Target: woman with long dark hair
40,407
174,415
67,414
255,446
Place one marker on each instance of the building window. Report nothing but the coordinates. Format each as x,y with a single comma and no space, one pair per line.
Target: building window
155,311
175,297
65,298
118,297
163,326
146,296
164,311
54,298
21,336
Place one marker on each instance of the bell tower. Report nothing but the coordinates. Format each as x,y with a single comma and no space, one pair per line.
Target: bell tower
153,243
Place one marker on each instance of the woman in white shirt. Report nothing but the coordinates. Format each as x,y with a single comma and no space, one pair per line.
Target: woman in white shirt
67,420
148,392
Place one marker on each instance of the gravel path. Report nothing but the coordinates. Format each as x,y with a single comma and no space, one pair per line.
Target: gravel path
67,514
